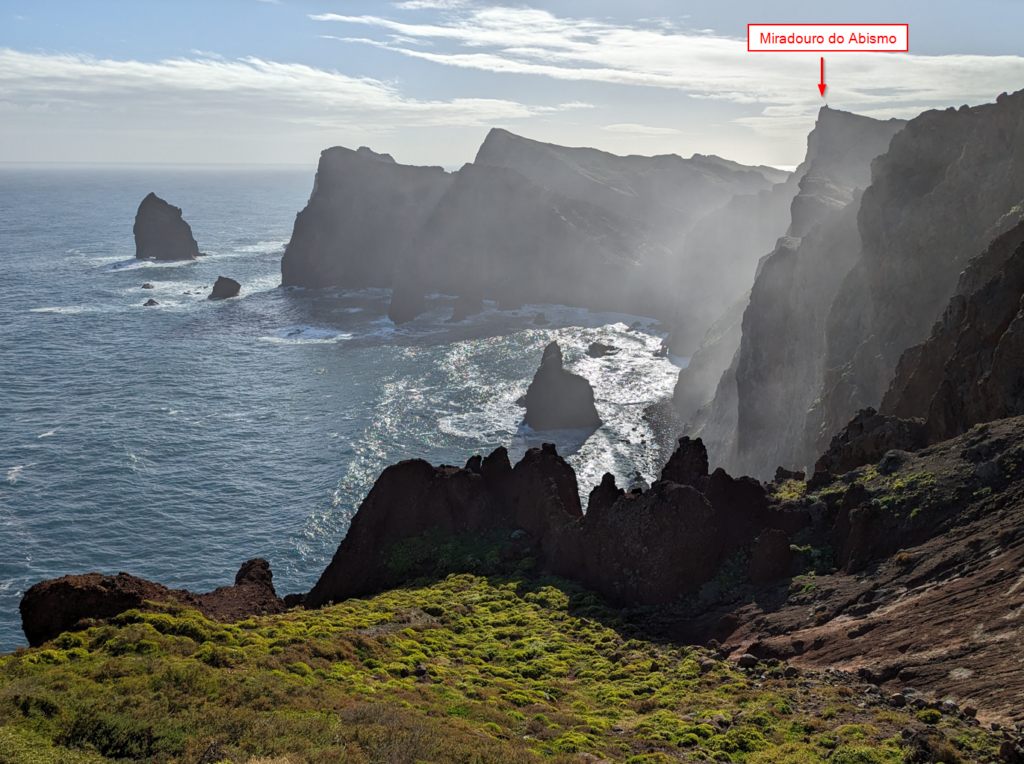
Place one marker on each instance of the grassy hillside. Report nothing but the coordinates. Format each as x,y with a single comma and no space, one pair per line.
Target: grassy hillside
467,669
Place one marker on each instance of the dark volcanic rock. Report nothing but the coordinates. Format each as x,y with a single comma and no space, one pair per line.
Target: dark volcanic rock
224,287
600,350
948,186
558,399
57,605
161,233
867,438
541,320
688,464
772,558
150,303
971,369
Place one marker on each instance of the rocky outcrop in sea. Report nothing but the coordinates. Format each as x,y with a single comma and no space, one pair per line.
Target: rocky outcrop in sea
161,233
557,399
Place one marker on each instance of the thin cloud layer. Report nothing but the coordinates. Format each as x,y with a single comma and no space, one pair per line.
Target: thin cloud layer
206,87
703,65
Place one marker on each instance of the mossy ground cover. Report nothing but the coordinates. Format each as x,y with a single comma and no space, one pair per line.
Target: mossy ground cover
466,669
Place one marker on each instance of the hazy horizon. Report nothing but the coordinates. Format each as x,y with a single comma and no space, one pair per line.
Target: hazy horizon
274,82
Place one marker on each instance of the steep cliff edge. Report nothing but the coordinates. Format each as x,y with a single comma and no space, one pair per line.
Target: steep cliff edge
360,219
757,418
971,369
950,183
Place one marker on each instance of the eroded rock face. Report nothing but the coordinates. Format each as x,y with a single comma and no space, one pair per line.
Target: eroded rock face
866,439
644,548
161,233
948,186
224,287
360,219
971,369
558,399
758,417
57,605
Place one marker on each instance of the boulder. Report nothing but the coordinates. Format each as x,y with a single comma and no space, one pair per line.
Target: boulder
56,605
147,285
150,303
600,350
540,320
224,288
558,399
161,233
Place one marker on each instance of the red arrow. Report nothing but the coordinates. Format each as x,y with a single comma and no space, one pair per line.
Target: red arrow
822,86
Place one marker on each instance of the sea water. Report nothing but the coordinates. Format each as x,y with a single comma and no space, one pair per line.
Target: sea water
175,442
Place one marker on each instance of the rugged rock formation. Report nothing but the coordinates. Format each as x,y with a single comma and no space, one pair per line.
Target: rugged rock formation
558,399
950,183
971,369
150,303
498,235
56,605
667,192
776,374
925,595
526,222
161,233
600,350
224,287
866,439
360,219
645,548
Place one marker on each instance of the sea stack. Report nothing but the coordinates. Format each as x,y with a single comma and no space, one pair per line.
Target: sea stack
161,233
558,399
224,287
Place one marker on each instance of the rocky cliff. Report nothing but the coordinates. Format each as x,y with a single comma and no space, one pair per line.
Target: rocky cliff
951,182
971,369
497,235
758,414
360,219
531,222
161,233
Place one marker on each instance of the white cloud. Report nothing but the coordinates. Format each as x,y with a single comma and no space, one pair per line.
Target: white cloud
699,63
206,87
640,129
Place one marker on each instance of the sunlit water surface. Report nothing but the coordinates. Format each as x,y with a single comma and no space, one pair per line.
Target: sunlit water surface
175,442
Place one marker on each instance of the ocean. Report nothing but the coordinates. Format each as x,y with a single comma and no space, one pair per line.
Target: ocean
175,442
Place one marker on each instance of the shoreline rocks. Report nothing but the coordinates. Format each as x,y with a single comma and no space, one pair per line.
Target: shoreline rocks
161,233
57,605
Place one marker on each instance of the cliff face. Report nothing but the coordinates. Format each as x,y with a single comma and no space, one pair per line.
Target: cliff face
360,219
971,369
761,401
497,235
950,183
534,222
668,192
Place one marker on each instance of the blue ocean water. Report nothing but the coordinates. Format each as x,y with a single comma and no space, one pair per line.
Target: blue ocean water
175,442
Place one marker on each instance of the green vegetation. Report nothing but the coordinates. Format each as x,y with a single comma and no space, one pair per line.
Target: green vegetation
467,669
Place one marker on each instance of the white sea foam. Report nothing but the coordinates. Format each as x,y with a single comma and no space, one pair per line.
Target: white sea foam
48,434
15,472
304,334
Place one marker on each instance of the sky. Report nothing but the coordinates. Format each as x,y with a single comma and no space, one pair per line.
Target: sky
277,81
